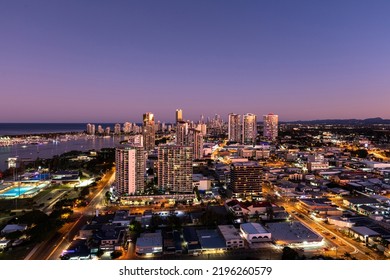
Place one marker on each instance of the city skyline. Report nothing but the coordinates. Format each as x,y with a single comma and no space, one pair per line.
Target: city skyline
75,62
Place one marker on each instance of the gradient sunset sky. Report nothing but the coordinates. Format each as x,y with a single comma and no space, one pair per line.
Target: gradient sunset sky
111,61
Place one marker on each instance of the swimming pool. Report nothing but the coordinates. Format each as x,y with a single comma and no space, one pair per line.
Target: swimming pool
16,191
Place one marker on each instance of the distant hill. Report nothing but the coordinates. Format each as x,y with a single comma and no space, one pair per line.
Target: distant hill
369,121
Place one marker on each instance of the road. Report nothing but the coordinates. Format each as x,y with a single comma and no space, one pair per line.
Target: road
333,238
52,248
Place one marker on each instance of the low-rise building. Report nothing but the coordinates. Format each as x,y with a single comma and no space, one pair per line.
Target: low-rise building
211,241
296,233
13,228
149,244
232,237
255,233
191,240
77,250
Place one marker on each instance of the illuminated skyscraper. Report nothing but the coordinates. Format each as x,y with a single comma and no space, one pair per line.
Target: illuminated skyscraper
100,129
179,115
181,133
234,127
249,129
117,129
148,131
130,169
127,127
135,140
175,168
195,139
270,126
90,129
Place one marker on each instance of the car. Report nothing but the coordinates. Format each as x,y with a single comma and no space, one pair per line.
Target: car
333,237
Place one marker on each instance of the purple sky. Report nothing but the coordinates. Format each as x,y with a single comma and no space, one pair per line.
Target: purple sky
109,61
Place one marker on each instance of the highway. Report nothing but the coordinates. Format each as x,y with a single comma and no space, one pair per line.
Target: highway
52,248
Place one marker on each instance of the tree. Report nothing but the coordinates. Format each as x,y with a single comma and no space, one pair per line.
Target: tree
257,216
362,153
270,213
135,227
174,221
156,221
116,254
210,218
108,196
84,192
14,234
34,217
289,254
196,191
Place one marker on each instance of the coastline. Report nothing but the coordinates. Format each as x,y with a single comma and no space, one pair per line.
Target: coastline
38,138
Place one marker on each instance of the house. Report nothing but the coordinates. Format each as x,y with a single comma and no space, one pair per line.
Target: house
251,209
4,243
111,237
12,228
78,250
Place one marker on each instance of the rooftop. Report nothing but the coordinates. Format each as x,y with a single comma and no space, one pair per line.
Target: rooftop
253,228
365,231
150,240
210,239
292,232
361,200
229,232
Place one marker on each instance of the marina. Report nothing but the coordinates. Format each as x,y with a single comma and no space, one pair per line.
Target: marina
29,149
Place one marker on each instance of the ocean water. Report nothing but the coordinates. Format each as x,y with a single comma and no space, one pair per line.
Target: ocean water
11,129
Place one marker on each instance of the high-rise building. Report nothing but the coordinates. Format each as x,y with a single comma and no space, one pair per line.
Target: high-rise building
249,129
127,127
202,127
179,115
181,133
91,129
234,127
137,140
195,139
175,168
270,126
148,131
130,169
100,129
245,177
117,129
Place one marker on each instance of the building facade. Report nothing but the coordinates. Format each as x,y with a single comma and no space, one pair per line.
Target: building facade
130,169
234,128
175,168
249,129
148,131
270,128
179,115
246,177
91,129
